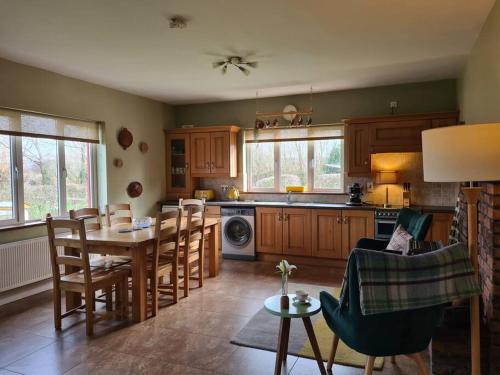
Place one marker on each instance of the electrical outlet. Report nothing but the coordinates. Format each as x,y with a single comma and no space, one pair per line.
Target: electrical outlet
393,104
369,187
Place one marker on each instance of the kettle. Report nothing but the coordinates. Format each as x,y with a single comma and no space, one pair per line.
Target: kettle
232,193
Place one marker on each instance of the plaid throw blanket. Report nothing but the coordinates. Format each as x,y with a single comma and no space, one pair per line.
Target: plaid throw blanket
390,282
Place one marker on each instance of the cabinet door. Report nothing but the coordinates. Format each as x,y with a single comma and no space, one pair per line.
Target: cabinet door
219,152
398,136
326,229
200,153
269,230
359,150
178,166
440,227
297,231
356,224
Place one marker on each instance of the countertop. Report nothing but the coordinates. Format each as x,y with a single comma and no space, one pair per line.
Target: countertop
338,206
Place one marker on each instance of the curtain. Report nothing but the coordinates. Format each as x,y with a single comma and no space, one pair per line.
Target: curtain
294,134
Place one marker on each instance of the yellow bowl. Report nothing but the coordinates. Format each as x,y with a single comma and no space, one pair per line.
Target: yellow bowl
295,189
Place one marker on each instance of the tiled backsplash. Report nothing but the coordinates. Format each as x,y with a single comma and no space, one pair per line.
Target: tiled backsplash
408,165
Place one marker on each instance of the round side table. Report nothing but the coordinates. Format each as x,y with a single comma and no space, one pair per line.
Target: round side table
295,310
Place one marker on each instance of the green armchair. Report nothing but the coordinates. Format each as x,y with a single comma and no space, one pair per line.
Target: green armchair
415,223
388,334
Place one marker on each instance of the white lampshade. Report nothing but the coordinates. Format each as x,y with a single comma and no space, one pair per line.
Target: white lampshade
462,153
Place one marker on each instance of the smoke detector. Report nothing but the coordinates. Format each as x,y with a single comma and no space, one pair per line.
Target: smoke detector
178,22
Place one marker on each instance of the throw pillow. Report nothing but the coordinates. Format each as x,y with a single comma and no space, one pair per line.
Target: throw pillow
400,240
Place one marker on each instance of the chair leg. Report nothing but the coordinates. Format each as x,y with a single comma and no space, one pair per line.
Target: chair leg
109,298
174,280
57,308
186,279
118,299
369,365
124,293
417,357
201,265
89,314
154,294
335,344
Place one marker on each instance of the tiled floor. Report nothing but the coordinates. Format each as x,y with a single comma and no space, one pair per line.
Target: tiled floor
191,337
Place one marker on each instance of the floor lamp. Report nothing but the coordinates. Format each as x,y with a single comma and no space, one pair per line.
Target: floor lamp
457,154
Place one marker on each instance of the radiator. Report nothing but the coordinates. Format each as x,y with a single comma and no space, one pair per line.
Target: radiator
24,262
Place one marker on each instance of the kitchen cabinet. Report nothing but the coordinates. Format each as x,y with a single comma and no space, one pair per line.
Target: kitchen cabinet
321,233
200,153
180,184
440,227
397,133
214,212
356,224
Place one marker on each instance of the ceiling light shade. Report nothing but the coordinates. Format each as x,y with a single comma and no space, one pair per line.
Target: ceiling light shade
386,177
462,153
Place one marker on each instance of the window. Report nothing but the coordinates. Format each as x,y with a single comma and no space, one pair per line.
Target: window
47,172
311,157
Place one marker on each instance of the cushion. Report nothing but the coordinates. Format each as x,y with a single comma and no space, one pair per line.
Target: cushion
399,240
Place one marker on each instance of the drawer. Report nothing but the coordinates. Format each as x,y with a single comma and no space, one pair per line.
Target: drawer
212,211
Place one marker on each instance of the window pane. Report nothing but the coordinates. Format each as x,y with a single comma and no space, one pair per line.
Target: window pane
6,195
261,162
40,177
293,161
328,164
77,159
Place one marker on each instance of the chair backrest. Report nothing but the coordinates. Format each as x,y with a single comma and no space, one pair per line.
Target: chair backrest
195,227
186,203
85,214
82,261
168,237
415,223
118,214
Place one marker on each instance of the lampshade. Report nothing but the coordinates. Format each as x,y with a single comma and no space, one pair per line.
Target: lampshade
462,153
386,177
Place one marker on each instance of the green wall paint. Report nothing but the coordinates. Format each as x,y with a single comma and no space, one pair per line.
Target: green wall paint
39,90
479,85
329,106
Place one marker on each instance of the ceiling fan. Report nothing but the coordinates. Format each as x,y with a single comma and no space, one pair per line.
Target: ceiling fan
236,61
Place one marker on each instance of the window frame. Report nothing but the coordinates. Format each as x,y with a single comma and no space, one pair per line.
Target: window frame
311,167
17,180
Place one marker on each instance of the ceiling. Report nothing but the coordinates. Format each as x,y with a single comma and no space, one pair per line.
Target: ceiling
326,44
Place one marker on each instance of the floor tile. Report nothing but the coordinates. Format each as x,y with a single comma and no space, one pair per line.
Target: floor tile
15,344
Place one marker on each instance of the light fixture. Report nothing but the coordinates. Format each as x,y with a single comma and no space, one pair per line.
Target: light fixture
178,22
386,178
458,154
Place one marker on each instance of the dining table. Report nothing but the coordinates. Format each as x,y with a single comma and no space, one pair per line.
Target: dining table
135,244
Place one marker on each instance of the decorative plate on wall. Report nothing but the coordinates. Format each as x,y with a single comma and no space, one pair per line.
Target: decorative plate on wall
143,146
125,138
134,189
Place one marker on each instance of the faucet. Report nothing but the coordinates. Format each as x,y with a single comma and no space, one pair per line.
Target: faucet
289,198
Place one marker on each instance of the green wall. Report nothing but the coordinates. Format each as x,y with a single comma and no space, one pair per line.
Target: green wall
329,106
40,90
479,85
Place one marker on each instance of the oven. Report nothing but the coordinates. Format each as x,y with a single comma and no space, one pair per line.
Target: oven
385,221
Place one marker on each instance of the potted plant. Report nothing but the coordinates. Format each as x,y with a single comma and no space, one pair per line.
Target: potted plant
285,269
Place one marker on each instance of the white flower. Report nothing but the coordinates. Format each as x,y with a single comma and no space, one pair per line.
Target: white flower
285,268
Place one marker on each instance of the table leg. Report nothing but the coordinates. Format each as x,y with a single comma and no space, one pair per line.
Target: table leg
139,284
213,251
314,344
73,299
282,344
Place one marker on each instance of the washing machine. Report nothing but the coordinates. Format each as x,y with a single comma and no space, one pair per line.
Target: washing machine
238,233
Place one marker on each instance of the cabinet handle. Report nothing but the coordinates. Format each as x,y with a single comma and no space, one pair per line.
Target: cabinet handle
280,217
366,162
187,165
338,219
207,164
346,219
213,165
286,217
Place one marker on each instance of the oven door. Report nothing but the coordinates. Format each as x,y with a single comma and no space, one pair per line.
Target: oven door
384,228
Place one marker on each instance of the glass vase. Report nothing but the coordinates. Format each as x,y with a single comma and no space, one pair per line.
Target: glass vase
284,285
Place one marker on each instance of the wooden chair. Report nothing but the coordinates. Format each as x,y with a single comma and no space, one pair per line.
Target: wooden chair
165,258
85,281
192,252
118,214
95,223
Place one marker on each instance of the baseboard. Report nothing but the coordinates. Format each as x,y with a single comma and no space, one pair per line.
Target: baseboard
25,291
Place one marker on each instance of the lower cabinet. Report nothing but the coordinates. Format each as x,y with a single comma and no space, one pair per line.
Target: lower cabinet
321,233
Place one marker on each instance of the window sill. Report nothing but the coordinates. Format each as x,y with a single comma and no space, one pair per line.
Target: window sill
293,193
31,224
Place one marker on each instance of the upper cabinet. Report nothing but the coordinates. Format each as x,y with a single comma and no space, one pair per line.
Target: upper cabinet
366,136
199,152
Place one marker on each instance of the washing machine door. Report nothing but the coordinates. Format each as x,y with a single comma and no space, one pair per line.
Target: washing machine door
237,231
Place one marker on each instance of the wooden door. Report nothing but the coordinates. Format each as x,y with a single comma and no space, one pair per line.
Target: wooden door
440,227
398,136
358,150
200,153
269,230
326,229
297,231
356,224
219,153
178,173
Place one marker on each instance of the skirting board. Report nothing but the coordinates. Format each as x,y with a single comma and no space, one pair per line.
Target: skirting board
25,291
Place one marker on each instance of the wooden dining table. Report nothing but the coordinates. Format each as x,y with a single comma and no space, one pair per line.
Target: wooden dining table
136,244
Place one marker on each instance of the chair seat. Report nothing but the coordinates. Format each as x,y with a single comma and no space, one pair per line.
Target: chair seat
98,275
117,261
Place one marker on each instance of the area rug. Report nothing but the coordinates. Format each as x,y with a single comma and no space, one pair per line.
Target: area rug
261,332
